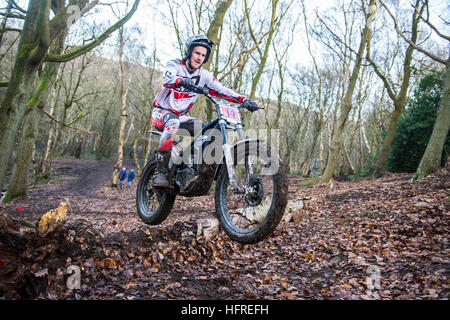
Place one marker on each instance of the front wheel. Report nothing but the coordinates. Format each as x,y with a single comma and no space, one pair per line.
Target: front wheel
251,213
153,206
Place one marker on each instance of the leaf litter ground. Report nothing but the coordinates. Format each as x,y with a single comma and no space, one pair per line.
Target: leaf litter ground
376,239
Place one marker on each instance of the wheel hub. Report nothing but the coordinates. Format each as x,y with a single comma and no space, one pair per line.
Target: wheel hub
254,192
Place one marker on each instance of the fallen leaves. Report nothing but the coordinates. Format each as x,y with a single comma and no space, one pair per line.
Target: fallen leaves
337,236
108,263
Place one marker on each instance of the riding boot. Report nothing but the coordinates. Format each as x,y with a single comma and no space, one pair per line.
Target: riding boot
162,171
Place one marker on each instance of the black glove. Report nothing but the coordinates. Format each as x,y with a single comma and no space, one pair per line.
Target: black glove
250,105
187,83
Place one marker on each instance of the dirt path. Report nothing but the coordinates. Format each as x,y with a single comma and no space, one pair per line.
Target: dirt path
329,251
78,179
86,176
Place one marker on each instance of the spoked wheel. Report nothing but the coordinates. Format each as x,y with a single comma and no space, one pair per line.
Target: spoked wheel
253,211
153,205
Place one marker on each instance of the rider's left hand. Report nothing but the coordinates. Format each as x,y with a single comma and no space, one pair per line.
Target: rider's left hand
250,105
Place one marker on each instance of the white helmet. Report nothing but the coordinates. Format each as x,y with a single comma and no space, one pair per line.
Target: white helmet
198,40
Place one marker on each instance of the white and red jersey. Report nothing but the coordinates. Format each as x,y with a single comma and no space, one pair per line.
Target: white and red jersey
177,99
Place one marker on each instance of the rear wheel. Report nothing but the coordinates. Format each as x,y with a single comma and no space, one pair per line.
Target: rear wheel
153,205
252,213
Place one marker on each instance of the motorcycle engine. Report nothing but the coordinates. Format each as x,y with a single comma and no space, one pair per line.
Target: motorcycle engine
184,177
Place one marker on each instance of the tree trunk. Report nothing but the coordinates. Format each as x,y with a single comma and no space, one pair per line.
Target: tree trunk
351,170
216,24
147,143
5,18
387,142
347,103
431,159
130,128
316,133
123,92
399,100
18,183
135,156
9,132
47,157
212,34
78,147
37,34
322,153
105,132
274,25
34,42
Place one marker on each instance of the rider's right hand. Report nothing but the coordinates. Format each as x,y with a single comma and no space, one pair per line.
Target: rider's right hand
187,83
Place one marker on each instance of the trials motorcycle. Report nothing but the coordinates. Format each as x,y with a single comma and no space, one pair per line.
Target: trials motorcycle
251,185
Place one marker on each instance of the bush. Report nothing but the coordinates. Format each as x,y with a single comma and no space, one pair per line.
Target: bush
416,125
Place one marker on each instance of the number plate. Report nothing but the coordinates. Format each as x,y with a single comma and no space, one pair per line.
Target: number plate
230,113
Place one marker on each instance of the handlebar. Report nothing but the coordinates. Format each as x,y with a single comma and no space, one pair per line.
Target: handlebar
205,92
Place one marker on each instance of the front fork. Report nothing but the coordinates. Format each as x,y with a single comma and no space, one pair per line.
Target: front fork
227,151
248,164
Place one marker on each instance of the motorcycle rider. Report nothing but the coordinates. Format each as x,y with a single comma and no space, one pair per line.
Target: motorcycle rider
177,96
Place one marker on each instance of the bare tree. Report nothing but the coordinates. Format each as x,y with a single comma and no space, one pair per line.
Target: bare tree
123,115
398,98
347,101
37,34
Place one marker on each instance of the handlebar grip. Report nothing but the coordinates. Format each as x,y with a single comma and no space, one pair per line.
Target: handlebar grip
199,90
